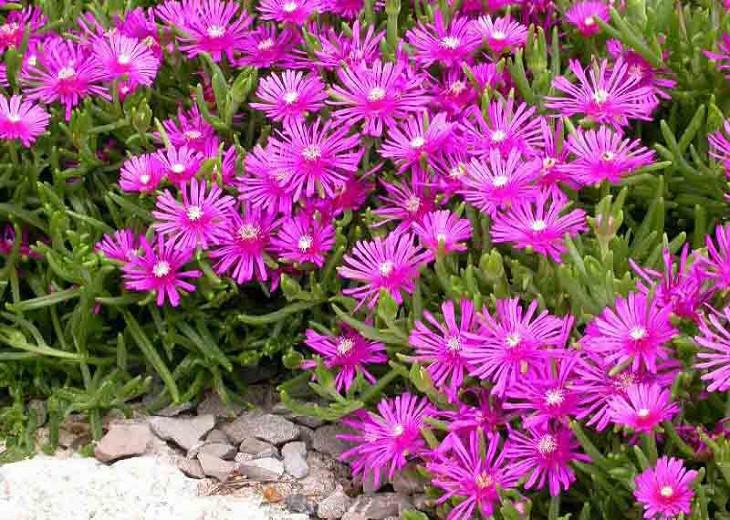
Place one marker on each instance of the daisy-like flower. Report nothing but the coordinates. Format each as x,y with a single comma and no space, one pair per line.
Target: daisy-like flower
505,129
141,173
659,79
539,225
643,408
472,476
715,267
450,45
499,183
9,239
453,93
266,47
290,95
159,270
440,347
406,202
120,57
179,165
391,263
610,94
207,26
377,96
501,34
417,139
584,15
604,155
199,220
295,12
714,357
353,49
636,331
263,187
304,239
443,232
553,156
192,130
349,9
63,72
318,157
384,441
545,456
122,245
247,240
722,57
347,353
512,342
485,415
21,120
720,146
665,490
18,24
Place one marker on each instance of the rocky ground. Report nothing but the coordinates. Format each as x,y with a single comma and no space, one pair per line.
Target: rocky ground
206,462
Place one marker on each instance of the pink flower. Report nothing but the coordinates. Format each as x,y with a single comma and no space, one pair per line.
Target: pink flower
377,96
352,50
141,173
501,34
636,331
441,349
720,146
304,239
512,342
584,16
504,129
386,440
348,353
265,47
485,416
722,57
715,267
658,79
443,232
715,354
127,59
500,183
391,263
644,407
296,12
21,120
553,156
262,186
247,239
349,9
198,221
604,155
665,490
453,93
122,245
608,95
290,95
159,271
18,24
417,139
406,202
191,130
179,165
450,45
538,224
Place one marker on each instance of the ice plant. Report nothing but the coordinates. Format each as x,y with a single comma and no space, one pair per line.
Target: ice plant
290,96
351,48
126,59
715,267
122,245
304,239
290,11
21,120
505,128
665,490
263,187
643,408
443,232
720,146
501,34
191,129
449,44
484,415
266,47
714,357
179,165
722,56
406,203
584,15
417,140
141,173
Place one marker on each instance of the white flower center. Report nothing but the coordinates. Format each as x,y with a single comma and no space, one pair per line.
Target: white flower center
398,430
484,480
344,346
450,42
291,97
554,397
124,59
265,45
498,35
386,268
413,204
305,243
457,172
548,163
588,21
66,73
312,152
457,87
417,142
441,238
638,333
144,178
193,134
498,136
216,31
500,180
513,339
608,156
13,117
538,225
600,96
194,213
643,413
453,344
249,232
547,444
666,491
178,168
376,94
289,7
161,269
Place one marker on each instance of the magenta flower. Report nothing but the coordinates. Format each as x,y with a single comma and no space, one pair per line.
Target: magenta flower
512,342
715,267
122,245
501,34
722,57
443,232
610,94
449,45
159,271
199,220
417,139
505,129
604,155
644,407
263,187
179,165
538,224
349,9
441,349
485,416
352,50
500,183
391,263
463,472
304,239
242,249
584,15
658,79
266,47
636,331
715,355
377,96
348,353
18,24
406,202
21,120
453,93
127,59
191,130
317,158
295,12
290,96
553,156
720,146
141,173
544,456
665,490
386,440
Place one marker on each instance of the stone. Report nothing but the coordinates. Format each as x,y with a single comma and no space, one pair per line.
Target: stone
321,480
186,432
122,441
298,503
381,505
325,440
295,461
218,449
216,467
408,481
174,410
191,468
353,516
257,448
335,505
421,502
262,470
212,404
267,427
306,420
74,432
215,435
306,435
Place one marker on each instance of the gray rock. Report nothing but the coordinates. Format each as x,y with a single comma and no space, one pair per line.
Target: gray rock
310,422
421,502
186,432
281,409
262,470
242,457
216,435
298,503
408,481
306,435
216,467
213,405
381,505
174,410
218,449
257,448
321,480
123,440
326,441
353,516
270,428
335,505
191,468
295,461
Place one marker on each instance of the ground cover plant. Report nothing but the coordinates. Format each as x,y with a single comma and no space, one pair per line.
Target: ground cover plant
488,236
